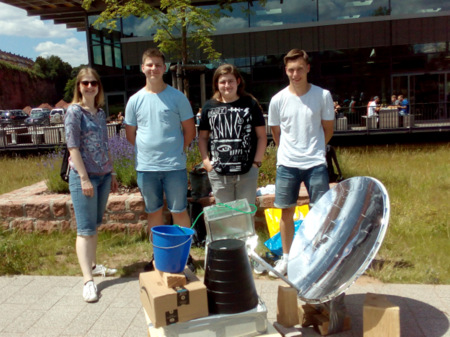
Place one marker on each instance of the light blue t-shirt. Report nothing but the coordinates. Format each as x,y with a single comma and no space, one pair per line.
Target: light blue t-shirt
159,136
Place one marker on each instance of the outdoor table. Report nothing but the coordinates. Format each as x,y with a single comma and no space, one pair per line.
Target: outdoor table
388,118
369,122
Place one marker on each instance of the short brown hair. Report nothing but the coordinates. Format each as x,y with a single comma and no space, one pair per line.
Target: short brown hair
78,97
153,52
295,54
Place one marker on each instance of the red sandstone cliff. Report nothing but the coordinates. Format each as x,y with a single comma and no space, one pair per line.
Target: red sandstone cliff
19,89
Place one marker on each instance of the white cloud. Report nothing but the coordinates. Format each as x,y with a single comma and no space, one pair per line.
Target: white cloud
226,23
73,51
15,22
30,35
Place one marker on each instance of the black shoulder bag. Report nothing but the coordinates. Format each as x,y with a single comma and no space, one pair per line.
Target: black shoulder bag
65,168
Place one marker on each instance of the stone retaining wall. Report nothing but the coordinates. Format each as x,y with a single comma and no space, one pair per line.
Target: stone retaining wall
32,209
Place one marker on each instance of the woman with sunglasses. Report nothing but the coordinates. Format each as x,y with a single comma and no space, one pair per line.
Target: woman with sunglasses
91,176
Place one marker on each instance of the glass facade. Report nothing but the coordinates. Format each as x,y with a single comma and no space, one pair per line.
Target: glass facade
420,71
105,45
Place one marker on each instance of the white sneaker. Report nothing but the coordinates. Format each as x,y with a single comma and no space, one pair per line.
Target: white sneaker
90,292
258,268
281,267
102,270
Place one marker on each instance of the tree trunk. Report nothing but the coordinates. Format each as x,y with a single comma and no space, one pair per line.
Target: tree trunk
184,56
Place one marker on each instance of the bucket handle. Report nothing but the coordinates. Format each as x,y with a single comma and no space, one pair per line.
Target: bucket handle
179,245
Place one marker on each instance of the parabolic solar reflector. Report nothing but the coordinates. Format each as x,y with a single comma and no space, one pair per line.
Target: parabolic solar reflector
338,239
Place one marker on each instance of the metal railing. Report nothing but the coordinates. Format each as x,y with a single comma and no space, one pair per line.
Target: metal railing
45,137
423,117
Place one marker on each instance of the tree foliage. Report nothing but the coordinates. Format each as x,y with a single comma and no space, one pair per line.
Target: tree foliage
182,29
54,69
70,85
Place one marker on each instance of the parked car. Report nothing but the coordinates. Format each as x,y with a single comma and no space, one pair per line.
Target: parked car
13,117
56,116
38,116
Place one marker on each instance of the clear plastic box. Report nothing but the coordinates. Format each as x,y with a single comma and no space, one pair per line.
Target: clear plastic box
232,220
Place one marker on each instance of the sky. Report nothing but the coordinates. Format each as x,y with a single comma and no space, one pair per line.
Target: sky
30,37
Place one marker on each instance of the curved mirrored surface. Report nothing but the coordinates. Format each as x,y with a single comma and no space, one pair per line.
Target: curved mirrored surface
338,239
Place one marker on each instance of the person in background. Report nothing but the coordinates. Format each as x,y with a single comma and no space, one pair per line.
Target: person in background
394,100
91,176
198,116
338,110
234,120
120,117
301,118
373,107
352,106
119,122
159,122
403,106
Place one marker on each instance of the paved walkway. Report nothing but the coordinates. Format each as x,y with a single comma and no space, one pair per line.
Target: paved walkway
53,306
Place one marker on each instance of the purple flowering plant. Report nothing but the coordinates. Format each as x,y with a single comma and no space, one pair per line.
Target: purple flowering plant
122,153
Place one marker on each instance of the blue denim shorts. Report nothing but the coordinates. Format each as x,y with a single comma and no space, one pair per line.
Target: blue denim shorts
89,211
154,184
288,180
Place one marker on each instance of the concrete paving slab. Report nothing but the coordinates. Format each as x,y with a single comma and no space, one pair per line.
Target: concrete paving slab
53,306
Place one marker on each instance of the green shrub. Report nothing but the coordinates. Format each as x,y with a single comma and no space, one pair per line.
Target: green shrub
51,172
267,171
15,257
193,156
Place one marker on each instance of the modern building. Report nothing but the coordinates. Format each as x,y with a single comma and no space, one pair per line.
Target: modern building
357,48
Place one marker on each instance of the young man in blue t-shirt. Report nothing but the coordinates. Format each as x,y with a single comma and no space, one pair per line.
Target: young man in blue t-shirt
159,122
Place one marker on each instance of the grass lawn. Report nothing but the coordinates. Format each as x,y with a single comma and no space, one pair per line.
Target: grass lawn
415,249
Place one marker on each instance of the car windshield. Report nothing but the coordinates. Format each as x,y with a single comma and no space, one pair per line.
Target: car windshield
37,114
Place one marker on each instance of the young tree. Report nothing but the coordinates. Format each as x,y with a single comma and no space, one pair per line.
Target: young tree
182,28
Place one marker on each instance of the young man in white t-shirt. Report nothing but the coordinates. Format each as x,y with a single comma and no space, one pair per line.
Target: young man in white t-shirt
301,118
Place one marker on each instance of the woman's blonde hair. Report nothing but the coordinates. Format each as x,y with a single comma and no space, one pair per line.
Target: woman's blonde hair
77,96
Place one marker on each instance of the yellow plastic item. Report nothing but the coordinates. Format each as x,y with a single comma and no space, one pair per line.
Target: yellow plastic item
273,217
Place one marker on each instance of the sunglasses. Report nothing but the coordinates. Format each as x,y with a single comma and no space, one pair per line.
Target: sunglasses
92,83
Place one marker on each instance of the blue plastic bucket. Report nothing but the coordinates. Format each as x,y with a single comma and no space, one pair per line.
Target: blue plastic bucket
171,246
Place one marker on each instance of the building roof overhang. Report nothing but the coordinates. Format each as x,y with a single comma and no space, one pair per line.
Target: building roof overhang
70,12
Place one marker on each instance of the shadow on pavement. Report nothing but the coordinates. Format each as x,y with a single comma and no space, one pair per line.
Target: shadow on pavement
416,318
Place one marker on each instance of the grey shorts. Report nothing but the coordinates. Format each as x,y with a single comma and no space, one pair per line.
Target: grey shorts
230,188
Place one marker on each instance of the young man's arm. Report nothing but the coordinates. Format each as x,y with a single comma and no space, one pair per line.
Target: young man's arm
188,131
130,132
327,129
276,131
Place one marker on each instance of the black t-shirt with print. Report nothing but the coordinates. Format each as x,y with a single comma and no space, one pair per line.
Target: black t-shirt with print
232,133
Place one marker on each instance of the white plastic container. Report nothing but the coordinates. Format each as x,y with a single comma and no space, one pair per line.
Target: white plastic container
245,324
